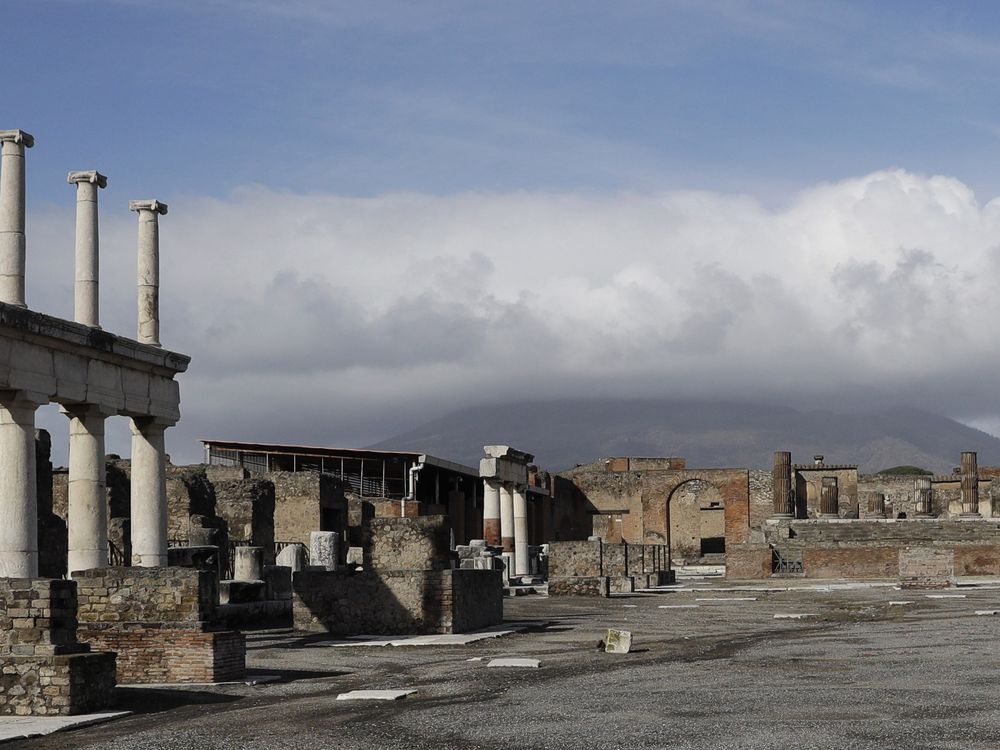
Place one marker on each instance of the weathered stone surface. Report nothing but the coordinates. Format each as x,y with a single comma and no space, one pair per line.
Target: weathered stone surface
293,556
579,586
421,543
324,549
617,641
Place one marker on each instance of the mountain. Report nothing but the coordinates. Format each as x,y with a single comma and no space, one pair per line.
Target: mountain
565,433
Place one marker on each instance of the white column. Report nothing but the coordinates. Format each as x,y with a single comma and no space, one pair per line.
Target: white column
520,530
87,515
507,516
149,494
149,269
86,302
491,512
12,245
18,490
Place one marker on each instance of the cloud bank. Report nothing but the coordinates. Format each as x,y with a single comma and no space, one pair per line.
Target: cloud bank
339,320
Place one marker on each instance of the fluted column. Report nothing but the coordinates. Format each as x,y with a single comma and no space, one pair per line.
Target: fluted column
784,497
18,489
520,512
85,287
970,484
491,512
87,515
149,494
507,516
12,243
149,268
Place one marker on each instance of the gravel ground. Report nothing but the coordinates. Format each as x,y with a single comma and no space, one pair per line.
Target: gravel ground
861,673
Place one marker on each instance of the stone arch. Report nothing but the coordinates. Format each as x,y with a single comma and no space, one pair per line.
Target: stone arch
695,521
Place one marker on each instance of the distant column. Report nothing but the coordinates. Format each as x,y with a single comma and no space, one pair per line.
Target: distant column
18,491
149,269
149,494
923,499
87,512
520,530
85,287
970,484
507,516
784,497
12,244
491,512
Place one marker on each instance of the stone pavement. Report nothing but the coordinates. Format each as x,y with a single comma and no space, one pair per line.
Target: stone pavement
22,727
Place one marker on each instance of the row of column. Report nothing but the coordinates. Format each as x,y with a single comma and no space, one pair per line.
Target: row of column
88,510
505,520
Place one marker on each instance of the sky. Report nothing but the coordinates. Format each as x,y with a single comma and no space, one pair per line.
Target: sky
384,211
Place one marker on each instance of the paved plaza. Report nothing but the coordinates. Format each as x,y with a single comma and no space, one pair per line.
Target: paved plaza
866,666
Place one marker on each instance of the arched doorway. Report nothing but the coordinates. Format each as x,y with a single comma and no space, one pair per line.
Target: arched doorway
696,521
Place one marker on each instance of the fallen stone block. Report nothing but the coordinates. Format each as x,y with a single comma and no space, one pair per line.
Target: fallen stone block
375,695
617,641
515,662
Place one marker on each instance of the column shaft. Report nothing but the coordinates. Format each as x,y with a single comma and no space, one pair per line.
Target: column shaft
88,501
970,484
18,491
86,292
149,495
491,512
507,517
784,497
923,491
520,530
12,243
149,269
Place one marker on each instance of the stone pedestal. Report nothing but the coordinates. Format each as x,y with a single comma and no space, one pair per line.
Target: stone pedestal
248,564
293,556
324,549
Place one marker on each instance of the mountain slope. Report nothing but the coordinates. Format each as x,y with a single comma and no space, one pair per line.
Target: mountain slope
564,433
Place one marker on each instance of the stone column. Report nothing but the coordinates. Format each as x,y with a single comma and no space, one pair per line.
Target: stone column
923,499
521,530
87,514
86,303
491,512
149,494
970,484
18,490
12,245
149,269
784,496
507,516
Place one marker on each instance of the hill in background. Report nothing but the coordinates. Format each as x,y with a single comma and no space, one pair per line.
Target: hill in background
565,433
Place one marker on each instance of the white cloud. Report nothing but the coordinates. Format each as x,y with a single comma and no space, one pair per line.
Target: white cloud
323,318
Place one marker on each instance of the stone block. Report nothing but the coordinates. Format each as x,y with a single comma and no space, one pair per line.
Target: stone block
294,557
248,563
324,549
617,641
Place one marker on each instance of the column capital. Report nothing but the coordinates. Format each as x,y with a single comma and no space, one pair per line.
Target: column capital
91,175
17,136
148,205
86,411
152,423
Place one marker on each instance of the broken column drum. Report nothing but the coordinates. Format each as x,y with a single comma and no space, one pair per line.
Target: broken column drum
970,484
784,496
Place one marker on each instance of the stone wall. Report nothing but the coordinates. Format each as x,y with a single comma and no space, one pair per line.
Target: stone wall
44,669
304,502
247,507
345,603
53,539
189,493
163,595
603,568
421,543
584,559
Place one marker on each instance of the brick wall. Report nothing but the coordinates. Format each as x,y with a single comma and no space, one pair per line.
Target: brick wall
345,603
148,653
850,562
926,566
749,561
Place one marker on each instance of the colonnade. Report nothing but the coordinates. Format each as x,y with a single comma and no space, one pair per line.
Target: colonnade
505,520
88,509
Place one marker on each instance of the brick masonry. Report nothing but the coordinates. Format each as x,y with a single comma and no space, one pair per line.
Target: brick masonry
161,621
44,670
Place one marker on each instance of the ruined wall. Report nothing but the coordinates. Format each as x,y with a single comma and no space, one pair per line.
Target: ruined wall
345,603
304,502
53,536
761,488
808,483
189,493
421,543
247,506
165,595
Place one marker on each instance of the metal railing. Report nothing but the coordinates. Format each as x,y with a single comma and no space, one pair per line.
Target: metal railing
785,566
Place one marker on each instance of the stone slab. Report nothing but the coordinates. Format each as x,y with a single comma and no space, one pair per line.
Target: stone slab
515,662
678,606
945,596
375,695
23,727
988,612
794,616
443,639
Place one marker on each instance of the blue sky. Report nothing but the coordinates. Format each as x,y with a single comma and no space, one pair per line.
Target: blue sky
364,98
381,211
